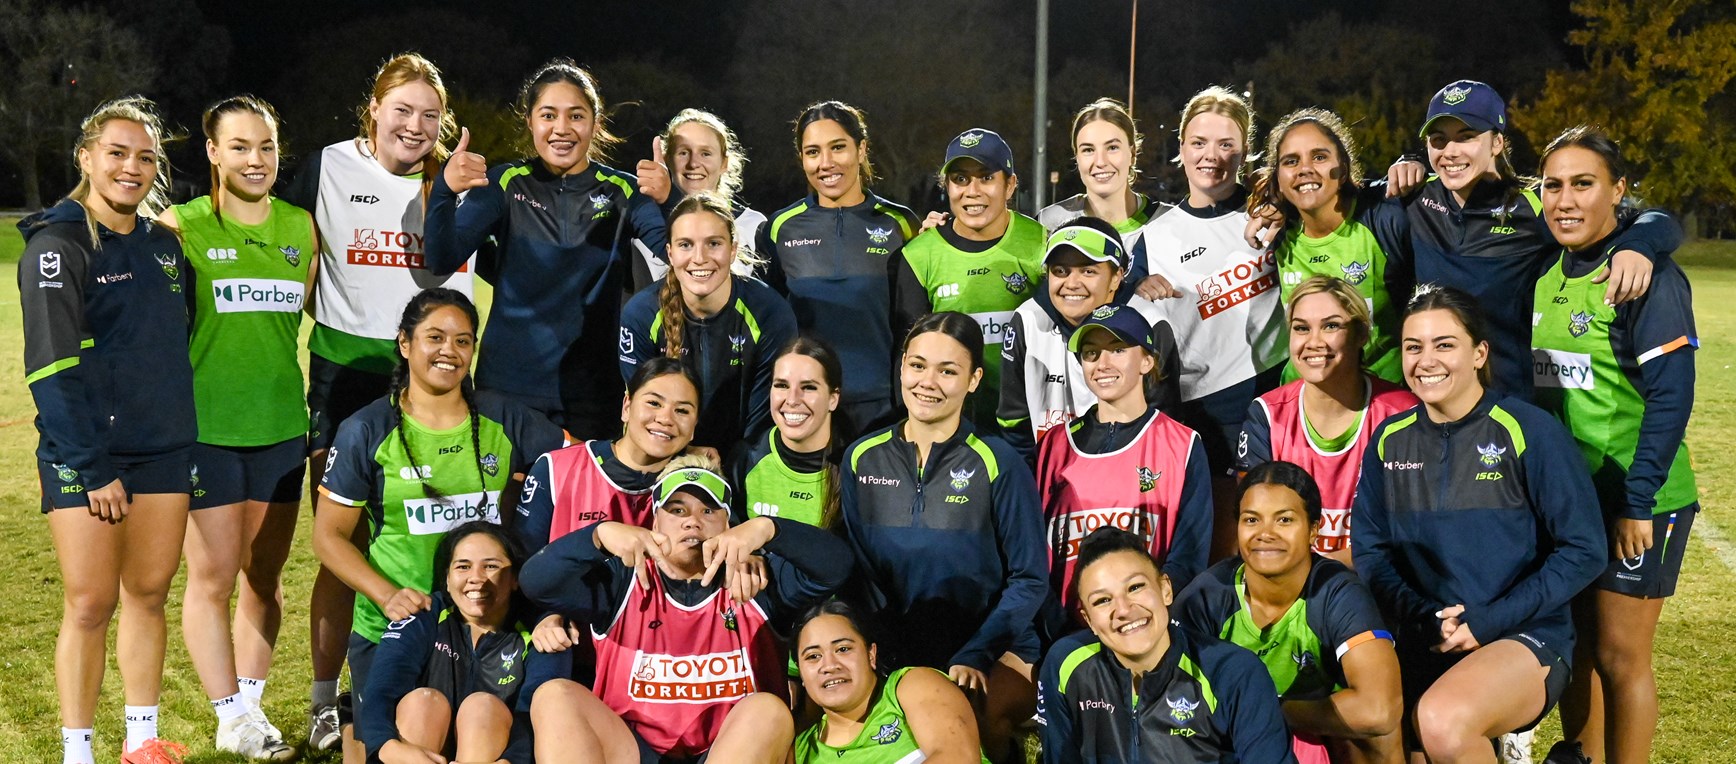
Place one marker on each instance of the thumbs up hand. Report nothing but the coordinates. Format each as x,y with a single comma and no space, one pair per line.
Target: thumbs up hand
465,169
654,174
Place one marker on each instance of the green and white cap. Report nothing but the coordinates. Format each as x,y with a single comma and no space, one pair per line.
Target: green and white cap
711,484
1097,240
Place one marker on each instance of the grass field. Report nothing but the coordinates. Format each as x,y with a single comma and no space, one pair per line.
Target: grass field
1696,666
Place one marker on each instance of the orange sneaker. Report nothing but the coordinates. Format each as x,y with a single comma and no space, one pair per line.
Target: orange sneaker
156,751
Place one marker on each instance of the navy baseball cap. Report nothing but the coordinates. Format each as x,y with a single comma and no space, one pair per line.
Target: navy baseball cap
1092,237
985,146
1471,102
1120,320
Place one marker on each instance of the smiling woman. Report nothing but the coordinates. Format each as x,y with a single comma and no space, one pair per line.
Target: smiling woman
430,456
723,327
250,285
1476,524
103,291
563,224
1192,698
448,680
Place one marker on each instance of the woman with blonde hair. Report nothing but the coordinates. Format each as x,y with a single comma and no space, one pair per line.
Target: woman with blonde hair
103,290
1323,421
1219,294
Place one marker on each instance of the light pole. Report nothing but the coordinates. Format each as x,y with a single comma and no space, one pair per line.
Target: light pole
1040,122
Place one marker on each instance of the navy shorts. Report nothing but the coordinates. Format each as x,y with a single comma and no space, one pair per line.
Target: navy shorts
1654,573
63,487
335,392
361,658
1419,669
649,755
224,475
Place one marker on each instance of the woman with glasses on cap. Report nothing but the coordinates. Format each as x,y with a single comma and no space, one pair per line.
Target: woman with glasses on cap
1042,384
1123,463
984,261
683,670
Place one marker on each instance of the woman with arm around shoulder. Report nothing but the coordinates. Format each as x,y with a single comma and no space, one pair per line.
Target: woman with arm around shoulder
723,325
910,714
564,223
1338,226
831,255
1324,420
1135,687
367,195
103,291
1311,621
1474,528
947,533
1124,463
448,680
1629,427
432,455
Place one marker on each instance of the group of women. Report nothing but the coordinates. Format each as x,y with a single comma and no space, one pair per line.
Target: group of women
865,490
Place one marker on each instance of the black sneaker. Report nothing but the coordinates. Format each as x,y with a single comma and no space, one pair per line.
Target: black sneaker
346,712
1567,752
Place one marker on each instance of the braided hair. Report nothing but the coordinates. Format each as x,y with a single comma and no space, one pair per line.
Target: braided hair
415,312
670,302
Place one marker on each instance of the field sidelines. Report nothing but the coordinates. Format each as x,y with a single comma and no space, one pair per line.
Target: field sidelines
1716,542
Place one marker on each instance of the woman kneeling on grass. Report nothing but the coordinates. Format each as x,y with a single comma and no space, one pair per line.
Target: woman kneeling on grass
684,672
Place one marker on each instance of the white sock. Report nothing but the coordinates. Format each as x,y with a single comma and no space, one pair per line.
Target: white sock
325,692
232,707
75,745
141,725
251,689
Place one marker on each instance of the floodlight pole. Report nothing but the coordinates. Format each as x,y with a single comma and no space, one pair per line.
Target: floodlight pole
1132,53
1040,120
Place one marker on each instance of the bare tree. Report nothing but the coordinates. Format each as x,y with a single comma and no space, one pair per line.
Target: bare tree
60,63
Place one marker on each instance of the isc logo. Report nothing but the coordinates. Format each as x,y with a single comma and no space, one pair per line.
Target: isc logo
977,272
957,499
1318,259
1488,476
946,290
1503,229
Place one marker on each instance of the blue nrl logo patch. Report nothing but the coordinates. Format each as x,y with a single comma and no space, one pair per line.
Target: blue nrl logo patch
1579,323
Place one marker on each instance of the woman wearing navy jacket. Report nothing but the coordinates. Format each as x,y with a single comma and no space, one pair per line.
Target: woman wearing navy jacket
725,328
831,255
1476,525
564,224
946,527
103,289
449,679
